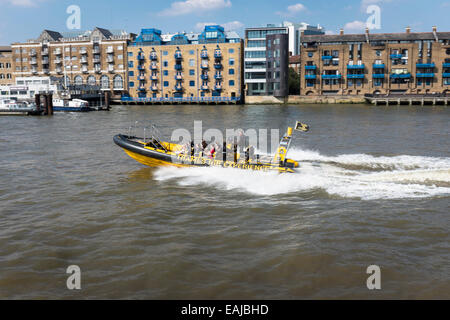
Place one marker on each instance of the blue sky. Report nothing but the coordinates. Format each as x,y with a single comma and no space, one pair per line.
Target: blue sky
24,19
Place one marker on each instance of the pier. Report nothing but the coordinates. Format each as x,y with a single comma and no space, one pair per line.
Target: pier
413,99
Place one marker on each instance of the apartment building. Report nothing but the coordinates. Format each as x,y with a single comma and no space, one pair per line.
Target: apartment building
195,67
6,71
387,63
257,73
95,57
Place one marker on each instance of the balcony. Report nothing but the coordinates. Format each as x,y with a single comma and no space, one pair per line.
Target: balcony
204,66
85,70
111,69
33,53
356,66
355,76
178,55
154,88
96,60
331,76
327,57
218,54
46,71
218,87
110,50
84,60
110,59
425,65
178,77
140,57
153,56
425,75
310,76
58,61
204,54
379,66
310,67
142,88
58,52
205,87
378,75
83,51
44,61
98,69
204,77
401,76
96,50
34,71
44,52
446,65
446,75
154,78
141,67
218,76
153,66
33,61
141,78
217,66
178,67
396,56
58,70
178,87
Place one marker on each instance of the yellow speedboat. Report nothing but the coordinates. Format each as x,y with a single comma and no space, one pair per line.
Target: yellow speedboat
154,152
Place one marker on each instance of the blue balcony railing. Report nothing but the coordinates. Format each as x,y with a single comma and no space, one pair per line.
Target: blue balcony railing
446,75
178,77
356,66
204,77
153,66
446,65
378,75
396,56
218,54
218,66
425,65
141,67
310,67
355,76
140,57
425,75
178,67
401,76
218,76
205,87
153,56
178,55
178,88
327,57
379,66
310,76
142,88
204,66
217,87
154,78
331,76
204,55
183,99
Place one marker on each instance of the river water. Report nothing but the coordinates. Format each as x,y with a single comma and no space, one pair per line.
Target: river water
373,189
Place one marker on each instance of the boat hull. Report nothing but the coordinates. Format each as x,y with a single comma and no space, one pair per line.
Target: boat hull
71,109
154,157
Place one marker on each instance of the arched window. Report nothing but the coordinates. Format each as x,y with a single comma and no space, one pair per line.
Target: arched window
104,82
67,81
118,82
78,80
91,81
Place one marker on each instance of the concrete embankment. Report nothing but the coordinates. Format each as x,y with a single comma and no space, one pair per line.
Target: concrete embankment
305,100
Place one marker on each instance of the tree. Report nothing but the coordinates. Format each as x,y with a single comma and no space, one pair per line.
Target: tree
294,82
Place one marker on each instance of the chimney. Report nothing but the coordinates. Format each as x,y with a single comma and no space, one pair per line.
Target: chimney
408,30
341,32
367,30
434,29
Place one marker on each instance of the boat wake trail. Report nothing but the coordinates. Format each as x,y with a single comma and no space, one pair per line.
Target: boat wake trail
349,176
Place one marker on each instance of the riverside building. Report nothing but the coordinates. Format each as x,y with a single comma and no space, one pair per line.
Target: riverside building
6,71
267,52
186,67
96,58
386,63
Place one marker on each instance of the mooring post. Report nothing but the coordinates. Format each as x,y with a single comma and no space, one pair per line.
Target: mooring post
107,100
44,96
50,104
37,100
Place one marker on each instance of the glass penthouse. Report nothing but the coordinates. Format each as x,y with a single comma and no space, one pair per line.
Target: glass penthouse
186,67
384,63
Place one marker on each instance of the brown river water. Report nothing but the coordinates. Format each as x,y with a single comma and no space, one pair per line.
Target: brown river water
373,189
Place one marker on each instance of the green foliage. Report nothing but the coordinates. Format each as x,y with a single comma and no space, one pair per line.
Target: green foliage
294,82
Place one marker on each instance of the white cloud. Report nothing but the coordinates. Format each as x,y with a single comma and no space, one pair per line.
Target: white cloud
194,6
292,10
329,32
355,26
21,3
229,26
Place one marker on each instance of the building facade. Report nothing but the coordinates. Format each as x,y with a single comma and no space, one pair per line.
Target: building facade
256,64
186,67
97,57
277,72
6,70
358,64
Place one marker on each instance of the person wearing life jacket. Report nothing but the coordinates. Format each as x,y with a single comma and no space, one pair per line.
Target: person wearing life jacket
212,152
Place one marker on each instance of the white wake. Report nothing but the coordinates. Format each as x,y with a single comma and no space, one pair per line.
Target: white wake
350,176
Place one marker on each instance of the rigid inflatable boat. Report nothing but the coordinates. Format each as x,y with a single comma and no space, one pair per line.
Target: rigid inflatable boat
151,151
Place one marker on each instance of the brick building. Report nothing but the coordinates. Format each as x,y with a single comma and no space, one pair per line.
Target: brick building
387,63
6,71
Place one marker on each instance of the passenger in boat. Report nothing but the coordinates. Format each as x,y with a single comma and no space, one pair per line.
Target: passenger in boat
212,152
204,145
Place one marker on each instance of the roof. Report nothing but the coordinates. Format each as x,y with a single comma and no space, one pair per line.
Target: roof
294,59
376,37
5,48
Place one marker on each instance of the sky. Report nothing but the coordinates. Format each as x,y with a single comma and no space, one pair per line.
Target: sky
21,20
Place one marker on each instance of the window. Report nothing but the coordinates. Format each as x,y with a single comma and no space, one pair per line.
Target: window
191,52
166,72
231,62
166,63
310,54
131,84
91,80
118,82
192,63
131,74
192,72
231,71
130,64
130,54
166,83
231,50
231,83
104,82
78,80
165,53
378,53
192,83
